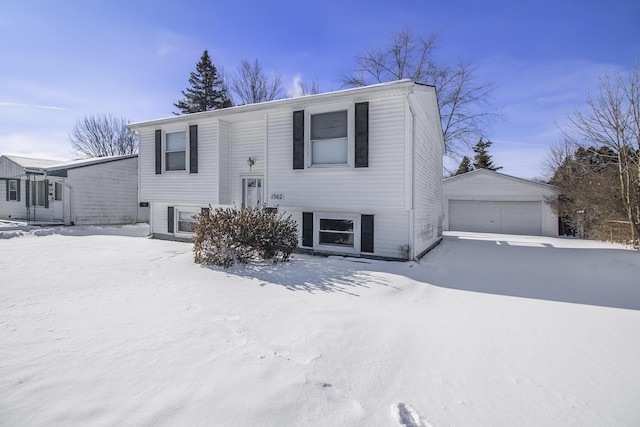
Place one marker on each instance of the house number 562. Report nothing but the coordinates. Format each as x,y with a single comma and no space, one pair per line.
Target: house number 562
277,196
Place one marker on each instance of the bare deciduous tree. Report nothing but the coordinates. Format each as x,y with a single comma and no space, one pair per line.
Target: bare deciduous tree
251,85
462,99
611,119
100,136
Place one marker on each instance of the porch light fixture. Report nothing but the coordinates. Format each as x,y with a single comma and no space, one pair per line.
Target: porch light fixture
250,162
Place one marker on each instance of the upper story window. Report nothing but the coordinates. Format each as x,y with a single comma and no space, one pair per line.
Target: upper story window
329,138
175,151
13,190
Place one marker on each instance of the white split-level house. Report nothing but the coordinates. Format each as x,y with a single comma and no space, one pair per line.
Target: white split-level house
99,191
360,170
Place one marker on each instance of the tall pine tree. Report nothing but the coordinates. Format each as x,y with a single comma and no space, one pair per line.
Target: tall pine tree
207,91
465,166
482,159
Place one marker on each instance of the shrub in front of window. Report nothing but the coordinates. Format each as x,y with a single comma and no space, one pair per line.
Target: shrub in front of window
226,236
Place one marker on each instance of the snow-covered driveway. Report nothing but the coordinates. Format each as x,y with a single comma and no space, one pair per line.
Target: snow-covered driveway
98,329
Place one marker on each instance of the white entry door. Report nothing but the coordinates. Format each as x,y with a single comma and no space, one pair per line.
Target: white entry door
251,192
57,201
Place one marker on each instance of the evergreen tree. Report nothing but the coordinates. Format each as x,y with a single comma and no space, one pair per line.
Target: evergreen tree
465,166
207,91
482,159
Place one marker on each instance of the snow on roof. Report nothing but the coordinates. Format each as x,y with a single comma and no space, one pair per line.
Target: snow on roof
87,162
405,84
492,172
31,163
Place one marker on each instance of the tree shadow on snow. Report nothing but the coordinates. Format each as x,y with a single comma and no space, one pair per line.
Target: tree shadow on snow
607,277
313,274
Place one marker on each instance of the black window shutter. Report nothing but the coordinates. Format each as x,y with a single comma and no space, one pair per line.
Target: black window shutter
204,211
46,194
366,233
307,229
298,139
26,193
193,149
18,187
170,219
158,151
362,135
6,181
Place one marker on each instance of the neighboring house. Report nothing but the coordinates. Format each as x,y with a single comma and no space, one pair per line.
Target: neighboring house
98,191
490,202
360,170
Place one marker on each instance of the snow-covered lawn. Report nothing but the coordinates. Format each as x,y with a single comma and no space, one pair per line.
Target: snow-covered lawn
101,329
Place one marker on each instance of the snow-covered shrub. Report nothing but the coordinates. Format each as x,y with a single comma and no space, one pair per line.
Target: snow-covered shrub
225,236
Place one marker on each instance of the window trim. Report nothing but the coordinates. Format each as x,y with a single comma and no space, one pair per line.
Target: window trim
176,218
16,191
349,107
185,131
317,216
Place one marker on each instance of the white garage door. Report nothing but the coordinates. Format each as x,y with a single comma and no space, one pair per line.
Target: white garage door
496,217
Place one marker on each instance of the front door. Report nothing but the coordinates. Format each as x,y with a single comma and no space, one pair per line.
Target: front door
56,201
251,192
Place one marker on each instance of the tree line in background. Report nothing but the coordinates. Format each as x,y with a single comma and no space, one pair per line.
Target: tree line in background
598,166
463,100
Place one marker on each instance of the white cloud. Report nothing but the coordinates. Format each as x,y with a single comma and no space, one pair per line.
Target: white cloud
295,89
47,145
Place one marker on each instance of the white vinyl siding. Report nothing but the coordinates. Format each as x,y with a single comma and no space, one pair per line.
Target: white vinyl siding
426,177
181,187
247,140
379,186
105,193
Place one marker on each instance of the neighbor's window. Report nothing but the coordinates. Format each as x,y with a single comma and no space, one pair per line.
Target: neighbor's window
175,149
57,191
13,189
336,232
329,142
186,221
38,193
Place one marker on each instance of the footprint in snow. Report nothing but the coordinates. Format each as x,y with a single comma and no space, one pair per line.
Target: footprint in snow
406,416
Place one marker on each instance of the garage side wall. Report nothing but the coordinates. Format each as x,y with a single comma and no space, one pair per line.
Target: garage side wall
105,193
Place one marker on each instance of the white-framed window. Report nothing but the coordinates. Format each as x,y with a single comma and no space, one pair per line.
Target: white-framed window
13,189
175,151
330,135
337,231
38,193
329,138
186,220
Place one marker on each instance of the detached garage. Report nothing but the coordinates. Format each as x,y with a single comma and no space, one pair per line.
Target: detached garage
490,202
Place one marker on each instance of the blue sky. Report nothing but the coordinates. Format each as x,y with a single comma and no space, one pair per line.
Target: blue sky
64,60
